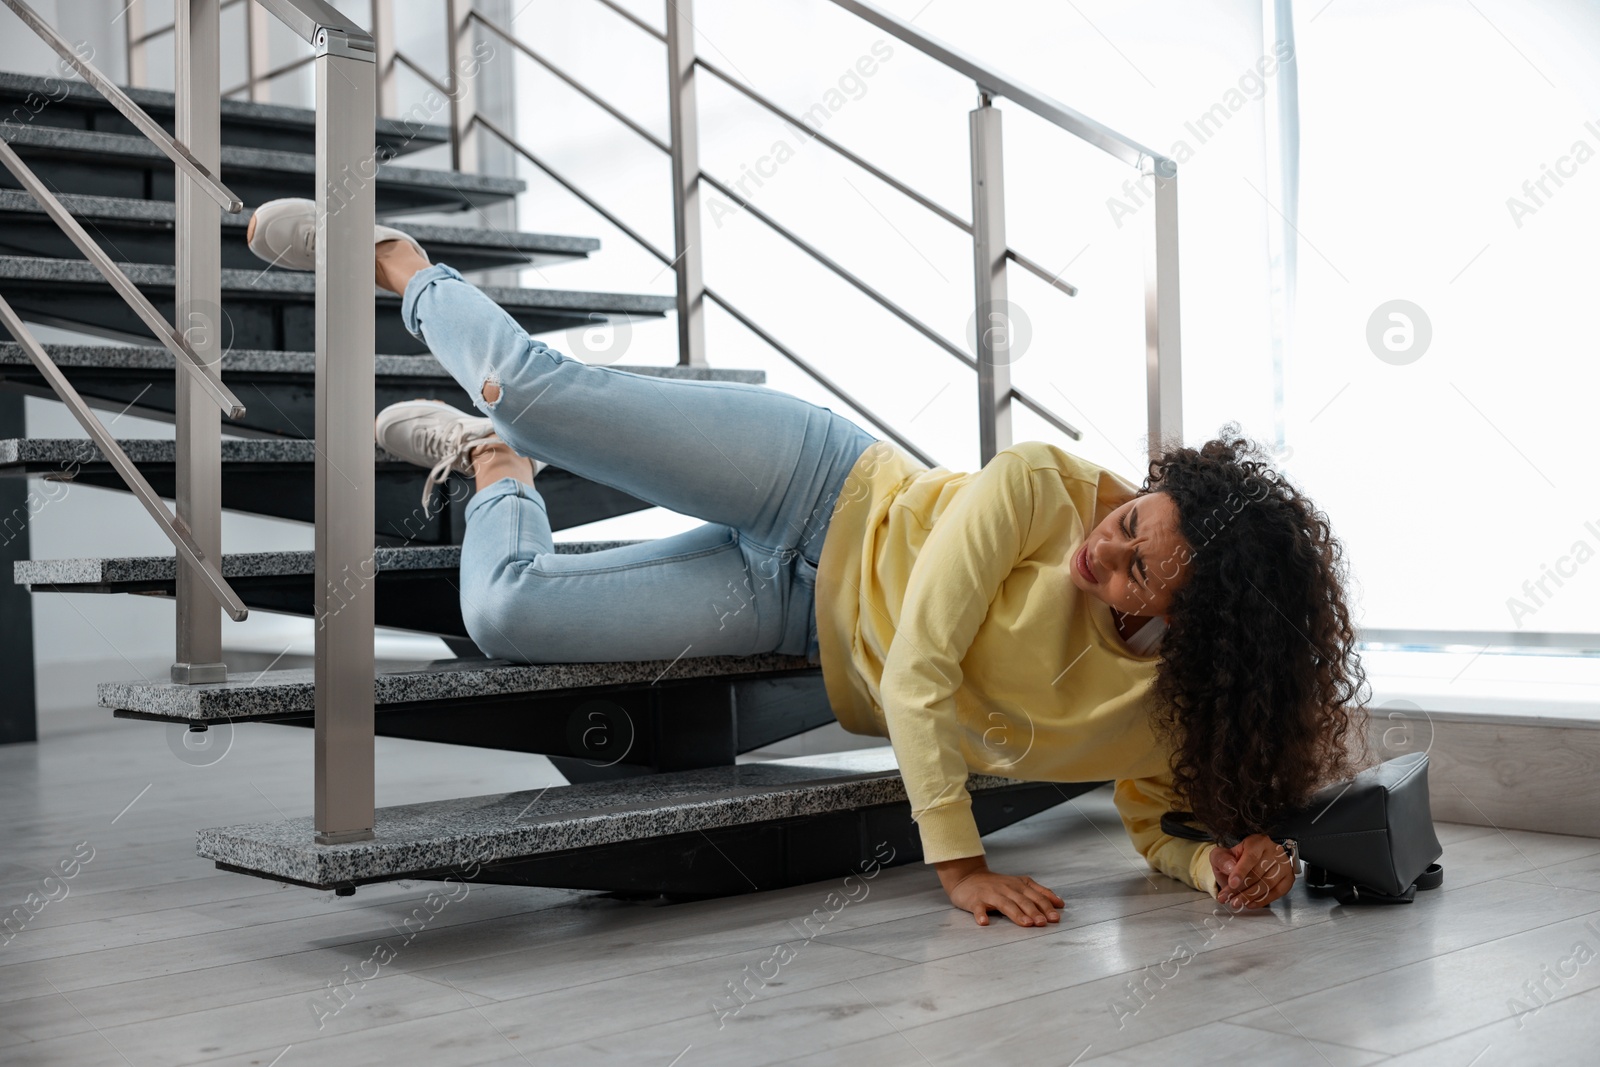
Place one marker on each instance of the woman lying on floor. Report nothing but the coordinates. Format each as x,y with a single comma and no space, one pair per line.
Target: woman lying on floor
1039,619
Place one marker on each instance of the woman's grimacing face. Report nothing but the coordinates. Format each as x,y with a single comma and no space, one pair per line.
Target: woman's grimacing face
1136,558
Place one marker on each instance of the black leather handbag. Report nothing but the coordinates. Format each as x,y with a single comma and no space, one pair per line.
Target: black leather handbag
1369,840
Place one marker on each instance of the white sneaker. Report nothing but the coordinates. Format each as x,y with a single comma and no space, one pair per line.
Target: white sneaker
286,234
431,433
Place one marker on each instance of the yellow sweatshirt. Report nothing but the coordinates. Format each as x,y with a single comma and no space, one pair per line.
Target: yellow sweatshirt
947,621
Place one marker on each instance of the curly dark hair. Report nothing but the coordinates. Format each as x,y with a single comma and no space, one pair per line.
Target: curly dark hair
1259,684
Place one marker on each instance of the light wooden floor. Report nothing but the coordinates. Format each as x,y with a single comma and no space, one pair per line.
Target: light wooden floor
155,958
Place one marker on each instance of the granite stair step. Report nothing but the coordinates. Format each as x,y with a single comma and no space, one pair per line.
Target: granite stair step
47,101
126,165
141,231
274,309
274,477
415,587
287,693
594,721
706,832
274,385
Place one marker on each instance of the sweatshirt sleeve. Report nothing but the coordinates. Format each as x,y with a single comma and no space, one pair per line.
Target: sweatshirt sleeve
1141,802
973,545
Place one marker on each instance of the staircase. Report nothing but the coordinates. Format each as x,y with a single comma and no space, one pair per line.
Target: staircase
658,801
658,804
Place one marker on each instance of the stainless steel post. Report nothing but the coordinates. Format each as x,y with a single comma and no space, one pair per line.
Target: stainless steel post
463,101
685,183
992,320
258,50
1163,357
133,31
383,40
346,171
200,320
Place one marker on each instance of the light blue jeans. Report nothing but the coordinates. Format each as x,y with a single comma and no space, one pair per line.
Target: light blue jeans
762,468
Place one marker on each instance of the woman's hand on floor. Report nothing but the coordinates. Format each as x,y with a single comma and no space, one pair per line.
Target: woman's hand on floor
972,886
1253,873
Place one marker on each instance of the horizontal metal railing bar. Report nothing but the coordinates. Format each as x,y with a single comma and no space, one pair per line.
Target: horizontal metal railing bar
168,27
293,64
170,524
992,81
1046,414
180,155
827,383
562,181
150,35
883,176
821,257
636,20
591,96
1050,279
711,294
203,373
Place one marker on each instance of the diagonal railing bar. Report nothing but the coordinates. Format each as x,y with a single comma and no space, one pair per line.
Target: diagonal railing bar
635,19
1051,279
822,257
268,75
170,524
780,347
1047,415
175,343
131,111
888,179
565,183
578,86
405,61
826,382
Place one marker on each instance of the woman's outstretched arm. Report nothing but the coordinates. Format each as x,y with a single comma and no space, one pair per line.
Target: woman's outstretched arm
975,543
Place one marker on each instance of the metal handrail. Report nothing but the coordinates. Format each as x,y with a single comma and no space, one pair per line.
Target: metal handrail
130,110
997,84
170,525
888,179
345,58
811,250
345,485
578,86
203,373
194,174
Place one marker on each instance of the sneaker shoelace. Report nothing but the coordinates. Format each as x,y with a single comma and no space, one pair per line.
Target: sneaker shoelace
453,445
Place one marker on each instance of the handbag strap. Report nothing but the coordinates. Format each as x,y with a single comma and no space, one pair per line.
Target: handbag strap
1319,883
1179,824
